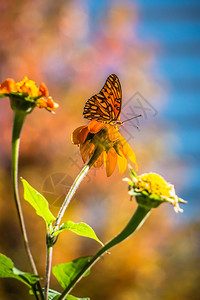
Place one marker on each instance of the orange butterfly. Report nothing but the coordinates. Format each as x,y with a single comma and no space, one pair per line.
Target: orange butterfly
106,105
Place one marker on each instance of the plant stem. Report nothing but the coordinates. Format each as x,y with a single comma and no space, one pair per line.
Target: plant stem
19,118
76,184
64,206
135,222
71,193
48,271
35,292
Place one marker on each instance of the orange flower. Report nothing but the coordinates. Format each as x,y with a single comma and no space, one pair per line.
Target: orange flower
25,95
48,103
112,145
7,86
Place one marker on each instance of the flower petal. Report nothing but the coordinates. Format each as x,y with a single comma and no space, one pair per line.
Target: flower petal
133,159
99,162
122,163
51,104
28,86
82,135
111,161
76,135
8,86
42,103
47,103
127,151
43,89
95,126
86,149
113,132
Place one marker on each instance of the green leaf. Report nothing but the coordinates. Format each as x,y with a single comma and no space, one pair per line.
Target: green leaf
7,270
53,295
4,95
133,193
66,272
82,229
38,202
132,173
70,297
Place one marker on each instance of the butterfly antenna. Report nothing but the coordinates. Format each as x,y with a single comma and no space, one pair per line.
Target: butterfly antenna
132,118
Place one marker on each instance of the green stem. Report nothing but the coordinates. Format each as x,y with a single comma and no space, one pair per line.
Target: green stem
35,292
48,271
76,184
19,118
135,222
71,193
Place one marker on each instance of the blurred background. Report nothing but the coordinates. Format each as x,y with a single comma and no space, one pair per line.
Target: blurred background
73,46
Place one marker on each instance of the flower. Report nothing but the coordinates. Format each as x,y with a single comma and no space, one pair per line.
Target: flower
48,103
25,95
151,189
103,144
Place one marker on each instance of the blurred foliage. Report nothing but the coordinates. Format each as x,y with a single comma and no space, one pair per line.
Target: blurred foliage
73,51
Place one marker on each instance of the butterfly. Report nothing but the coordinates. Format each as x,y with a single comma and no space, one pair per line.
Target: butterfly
106,105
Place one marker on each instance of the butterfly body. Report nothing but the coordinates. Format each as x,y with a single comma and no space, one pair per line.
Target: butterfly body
106,105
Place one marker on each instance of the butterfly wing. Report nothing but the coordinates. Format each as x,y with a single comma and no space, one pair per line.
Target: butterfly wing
106,105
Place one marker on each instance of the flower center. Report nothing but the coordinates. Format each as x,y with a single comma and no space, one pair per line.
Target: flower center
154,184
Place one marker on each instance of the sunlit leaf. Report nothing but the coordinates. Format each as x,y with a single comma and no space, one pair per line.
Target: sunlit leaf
53,295
82,229
132,173
70,297
7,270
66,272
38,202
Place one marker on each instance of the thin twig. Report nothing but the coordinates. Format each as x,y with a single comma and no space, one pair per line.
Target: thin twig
48,271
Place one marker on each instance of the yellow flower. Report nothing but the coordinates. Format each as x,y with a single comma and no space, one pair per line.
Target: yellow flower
25,95
105,140
151,190
29,87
